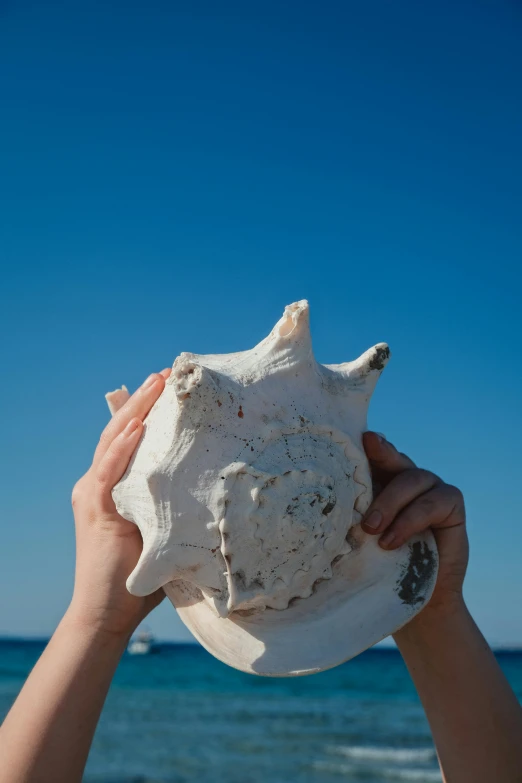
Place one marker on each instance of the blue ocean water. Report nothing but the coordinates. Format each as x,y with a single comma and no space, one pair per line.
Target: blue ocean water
179,715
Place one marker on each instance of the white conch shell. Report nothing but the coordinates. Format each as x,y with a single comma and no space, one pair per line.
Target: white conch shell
117,399
248,486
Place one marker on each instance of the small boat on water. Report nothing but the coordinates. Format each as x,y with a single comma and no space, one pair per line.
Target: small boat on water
142,644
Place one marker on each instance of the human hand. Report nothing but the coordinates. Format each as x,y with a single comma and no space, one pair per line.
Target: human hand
107,545
411,500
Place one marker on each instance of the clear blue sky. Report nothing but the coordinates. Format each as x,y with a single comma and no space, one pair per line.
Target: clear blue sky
173,174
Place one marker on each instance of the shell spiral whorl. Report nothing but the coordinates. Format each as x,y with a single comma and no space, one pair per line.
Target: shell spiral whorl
285,517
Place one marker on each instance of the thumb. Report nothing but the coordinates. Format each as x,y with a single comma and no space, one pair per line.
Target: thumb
383,455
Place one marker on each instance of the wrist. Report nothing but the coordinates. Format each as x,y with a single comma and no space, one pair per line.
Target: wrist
95,630
434,619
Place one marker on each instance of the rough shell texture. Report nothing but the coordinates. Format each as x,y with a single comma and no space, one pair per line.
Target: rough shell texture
248,486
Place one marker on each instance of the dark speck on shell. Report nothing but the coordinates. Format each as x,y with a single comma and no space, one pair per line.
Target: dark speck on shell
418,574
379,359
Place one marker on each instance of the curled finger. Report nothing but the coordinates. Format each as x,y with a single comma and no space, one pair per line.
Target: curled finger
402,490
437,508
383,455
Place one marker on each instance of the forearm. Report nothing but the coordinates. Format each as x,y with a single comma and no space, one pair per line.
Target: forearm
474,716
47,734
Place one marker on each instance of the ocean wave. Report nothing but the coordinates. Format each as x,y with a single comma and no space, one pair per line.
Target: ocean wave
417,775
374,753
405,774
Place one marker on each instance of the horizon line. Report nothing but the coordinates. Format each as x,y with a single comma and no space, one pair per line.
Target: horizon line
499,648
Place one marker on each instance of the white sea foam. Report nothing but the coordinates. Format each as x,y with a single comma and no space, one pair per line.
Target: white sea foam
399,773
379,754
417,775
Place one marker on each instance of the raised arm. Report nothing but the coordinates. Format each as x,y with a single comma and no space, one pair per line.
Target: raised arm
47,734
474,715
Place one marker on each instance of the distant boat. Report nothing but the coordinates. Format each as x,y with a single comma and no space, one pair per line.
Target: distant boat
142,644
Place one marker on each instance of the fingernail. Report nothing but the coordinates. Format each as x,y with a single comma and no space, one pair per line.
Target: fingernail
132,426
387,539
151,380
381,437
374,520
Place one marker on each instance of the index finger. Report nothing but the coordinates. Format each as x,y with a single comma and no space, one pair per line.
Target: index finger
383,455
116,399
136,406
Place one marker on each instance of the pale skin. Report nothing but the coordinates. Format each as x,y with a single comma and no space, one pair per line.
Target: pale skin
474,716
